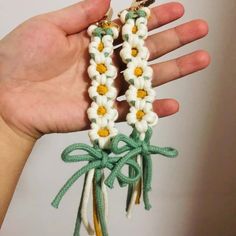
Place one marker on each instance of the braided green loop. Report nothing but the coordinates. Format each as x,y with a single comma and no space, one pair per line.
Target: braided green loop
135,14
97,159
133,147
100,201
100,32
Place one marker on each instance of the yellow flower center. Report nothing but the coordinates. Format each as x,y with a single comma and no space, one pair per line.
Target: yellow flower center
135,29
101,68
141,93
100,47
103,132
101,111
138,71
102,89
134,52
140,114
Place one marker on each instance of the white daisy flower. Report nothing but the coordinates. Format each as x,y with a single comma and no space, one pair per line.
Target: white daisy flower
140,91
102,132
142,116
101,46
134,49
131,28
137,69
102,66
102,88
102,109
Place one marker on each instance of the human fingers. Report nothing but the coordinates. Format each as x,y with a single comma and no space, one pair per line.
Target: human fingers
177,68
164,42
79,16
161,15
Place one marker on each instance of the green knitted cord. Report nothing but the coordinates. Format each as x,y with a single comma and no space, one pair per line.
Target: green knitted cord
133,146
78,218
100,32
97,159
135,14
100,201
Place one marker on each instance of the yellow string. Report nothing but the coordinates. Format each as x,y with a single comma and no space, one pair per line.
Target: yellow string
97,225
137,201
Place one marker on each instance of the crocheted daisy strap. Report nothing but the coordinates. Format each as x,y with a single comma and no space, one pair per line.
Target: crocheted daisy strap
102,115
140,97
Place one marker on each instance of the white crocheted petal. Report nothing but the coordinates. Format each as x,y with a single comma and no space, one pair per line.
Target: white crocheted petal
113,115
141,126
123,15
101,100
102,123
143,31
148,72
112,93
146,107
108,41
103,142
147,10
143,53
151,118
131,116
125,54
91,29
98,58
111,72
93,135
129,75
93,51
109,82
131,94
137,62
115,32
151,95
101,79
140,83
108,51
141,20
102,59
113,132
92,72
92,91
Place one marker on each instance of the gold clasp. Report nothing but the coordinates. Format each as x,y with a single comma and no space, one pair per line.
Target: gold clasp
137,4
106,21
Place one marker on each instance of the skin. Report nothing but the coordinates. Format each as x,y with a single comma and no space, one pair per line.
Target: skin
44,83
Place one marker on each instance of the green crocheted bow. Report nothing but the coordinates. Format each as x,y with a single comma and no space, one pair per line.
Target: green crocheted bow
97,159
133,146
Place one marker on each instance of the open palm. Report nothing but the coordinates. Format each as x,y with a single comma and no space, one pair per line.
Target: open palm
43,66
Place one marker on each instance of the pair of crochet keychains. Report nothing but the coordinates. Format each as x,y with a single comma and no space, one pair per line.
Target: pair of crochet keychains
111,150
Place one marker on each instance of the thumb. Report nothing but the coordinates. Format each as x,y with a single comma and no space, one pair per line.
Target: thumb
79,16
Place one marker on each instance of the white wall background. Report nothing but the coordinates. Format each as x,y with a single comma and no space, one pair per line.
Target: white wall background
194,195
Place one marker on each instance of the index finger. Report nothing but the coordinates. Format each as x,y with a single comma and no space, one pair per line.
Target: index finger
160,15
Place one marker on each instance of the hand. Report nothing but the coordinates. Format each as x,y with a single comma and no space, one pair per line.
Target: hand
43,66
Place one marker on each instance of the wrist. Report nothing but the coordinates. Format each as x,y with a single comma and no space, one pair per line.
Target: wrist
10,136
14,151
